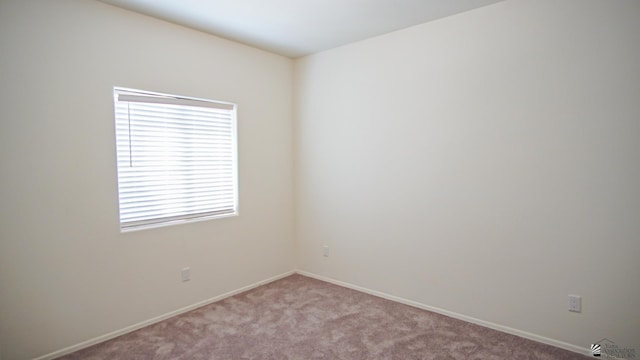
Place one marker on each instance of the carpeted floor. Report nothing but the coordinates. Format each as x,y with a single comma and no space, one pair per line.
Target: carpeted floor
302,318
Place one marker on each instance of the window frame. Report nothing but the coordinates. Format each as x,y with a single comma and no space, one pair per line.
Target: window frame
129,95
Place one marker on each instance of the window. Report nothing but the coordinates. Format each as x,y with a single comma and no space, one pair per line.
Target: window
176,158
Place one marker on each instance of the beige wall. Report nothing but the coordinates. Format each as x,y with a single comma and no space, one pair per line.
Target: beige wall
66,272
487,164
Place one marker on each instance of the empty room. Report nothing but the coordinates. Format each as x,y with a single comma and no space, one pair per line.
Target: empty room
383,179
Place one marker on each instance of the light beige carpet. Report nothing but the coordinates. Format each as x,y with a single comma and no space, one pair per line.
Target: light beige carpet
302,318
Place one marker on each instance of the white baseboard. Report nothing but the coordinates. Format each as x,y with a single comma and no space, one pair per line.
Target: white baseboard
502,328
128,329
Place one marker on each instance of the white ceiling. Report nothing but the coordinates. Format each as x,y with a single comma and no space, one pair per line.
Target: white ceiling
296,28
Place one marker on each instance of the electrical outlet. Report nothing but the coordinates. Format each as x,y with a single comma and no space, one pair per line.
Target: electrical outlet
186,274
325,251
575,303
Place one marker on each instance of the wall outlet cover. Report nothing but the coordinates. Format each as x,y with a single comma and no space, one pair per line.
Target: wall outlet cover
186,274
575,303
325,251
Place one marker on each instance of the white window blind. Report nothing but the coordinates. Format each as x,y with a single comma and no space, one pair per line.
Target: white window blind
176,158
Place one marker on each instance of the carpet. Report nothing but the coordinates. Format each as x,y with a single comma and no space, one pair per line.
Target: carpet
298,317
